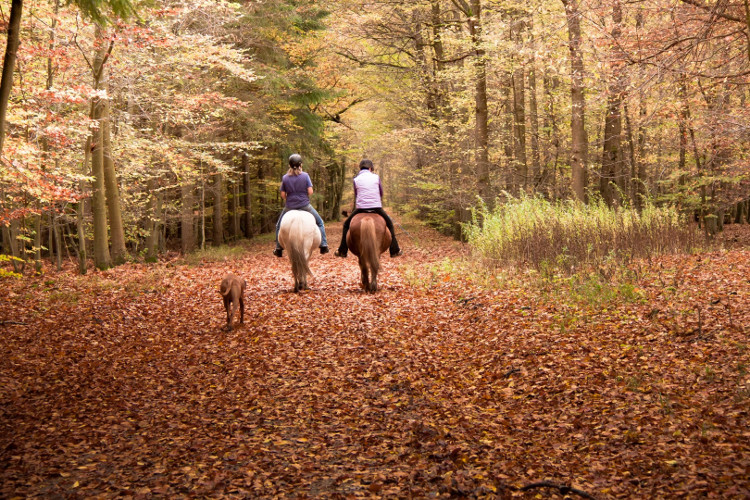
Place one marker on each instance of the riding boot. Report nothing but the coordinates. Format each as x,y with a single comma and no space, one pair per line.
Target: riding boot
343,248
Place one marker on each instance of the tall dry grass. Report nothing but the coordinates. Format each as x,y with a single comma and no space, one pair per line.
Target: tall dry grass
570,235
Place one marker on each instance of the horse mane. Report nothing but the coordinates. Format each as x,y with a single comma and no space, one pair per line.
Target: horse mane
369,250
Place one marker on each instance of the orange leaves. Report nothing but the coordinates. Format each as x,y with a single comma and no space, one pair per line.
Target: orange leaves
124,383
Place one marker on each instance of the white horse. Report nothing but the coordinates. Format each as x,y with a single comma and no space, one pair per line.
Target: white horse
300,237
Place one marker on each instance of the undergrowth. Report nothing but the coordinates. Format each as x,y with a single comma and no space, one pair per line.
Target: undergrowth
217,254
569,237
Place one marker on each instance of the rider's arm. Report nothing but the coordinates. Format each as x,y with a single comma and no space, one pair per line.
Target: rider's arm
309,191
283,195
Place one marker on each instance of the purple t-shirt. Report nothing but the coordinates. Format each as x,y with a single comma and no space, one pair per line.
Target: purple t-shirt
295,187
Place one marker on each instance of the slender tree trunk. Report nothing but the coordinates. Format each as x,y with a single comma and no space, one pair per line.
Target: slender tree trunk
630,139
114,213
152,226
506,93
534,120
161,208
613,175
99,204
248,195
481,131
579,139
521,170
81,211
38,239
236,232
553,136
203,211
262,206
218,191
9,64
58,239
187,235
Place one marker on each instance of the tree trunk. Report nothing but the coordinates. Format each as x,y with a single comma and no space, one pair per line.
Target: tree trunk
521,170
613,174
161,232
552,152
99,204
114,212
248,195
80,211
634,171
534,121
236,232
481,131
38,239
218,191
187,235
152,226
58,239
508,120
262,206
579,139
9,63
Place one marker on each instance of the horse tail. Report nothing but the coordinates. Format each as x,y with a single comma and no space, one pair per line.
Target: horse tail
298,257
369,246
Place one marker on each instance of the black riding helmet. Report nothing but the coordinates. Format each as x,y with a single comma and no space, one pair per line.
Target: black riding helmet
295,161
366,164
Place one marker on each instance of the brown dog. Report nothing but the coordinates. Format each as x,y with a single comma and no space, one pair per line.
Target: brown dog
233,291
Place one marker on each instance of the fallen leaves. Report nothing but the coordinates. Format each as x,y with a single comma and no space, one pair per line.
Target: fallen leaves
443,390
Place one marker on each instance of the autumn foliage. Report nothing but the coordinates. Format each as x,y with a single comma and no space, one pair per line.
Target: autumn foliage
124,383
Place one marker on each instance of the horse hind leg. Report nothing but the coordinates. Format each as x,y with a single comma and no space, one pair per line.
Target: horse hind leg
365,278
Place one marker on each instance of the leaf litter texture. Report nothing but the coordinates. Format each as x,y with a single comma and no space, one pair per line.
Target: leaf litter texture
123,383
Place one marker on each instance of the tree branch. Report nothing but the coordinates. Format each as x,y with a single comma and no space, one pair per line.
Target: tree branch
712,10
362,62
336,117
564,490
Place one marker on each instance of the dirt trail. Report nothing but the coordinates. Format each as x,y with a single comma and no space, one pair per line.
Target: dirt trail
123,383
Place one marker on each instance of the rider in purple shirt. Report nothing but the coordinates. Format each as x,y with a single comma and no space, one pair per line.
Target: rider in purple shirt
368,198
296,189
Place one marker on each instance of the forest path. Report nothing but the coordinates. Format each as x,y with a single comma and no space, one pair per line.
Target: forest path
124,383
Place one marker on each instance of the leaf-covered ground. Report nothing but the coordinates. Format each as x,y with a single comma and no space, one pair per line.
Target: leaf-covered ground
123,383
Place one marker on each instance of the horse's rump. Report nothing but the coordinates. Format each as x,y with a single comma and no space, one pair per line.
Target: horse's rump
367,238
381,236
299,236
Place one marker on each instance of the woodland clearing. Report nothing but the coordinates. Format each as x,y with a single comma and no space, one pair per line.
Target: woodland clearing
123,382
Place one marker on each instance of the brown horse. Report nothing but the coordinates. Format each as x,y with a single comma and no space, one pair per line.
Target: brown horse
367,238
